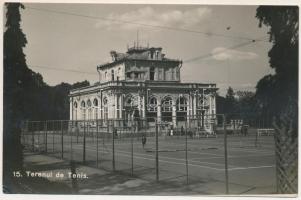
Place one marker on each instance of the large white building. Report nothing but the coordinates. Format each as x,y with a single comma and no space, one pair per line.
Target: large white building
143,81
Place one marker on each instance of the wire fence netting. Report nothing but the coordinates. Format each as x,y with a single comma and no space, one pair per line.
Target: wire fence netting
197,149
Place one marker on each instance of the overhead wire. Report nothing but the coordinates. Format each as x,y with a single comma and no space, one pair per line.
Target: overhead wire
208,34
185,61
250,40
62,69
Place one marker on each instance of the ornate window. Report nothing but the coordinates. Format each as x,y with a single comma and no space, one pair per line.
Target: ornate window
89,109
167,104
74,111
152,104
203,102
105,108
89,103
131,101
83,109
182,104
95,104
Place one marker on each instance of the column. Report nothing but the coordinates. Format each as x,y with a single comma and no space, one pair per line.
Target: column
194,105
111,108
120,106
101,108
159,111
210,105
188,110
210,112
139,105
143,106
116,105
71,108
213,105
174,114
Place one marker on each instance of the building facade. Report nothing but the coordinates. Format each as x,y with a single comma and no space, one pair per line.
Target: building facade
143,83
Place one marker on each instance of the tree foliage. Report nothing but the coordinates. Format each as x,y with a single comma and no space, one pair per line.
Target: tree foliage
15,83
275,90
278,94
230,102
25,95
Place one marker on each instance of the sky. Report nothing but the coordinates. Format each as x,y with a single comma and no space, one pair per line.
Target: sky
213,41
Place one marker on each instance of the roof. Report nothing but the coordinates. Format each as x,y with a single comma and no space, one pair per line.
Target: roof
130,59
136,53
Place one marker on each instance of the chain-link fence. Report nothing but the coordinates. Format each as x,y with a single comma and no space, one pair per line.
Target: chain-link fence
232,154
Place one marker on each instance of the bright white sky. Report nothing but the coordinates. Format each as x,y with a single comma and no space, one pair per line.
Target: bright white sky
81,43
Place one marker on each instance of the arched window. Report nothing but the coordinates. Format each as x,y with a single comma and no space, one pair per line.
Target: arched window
74,111
105,108
89,109
182,104
203,102
95,104
167,104
166,114
131,101
83,104
152,104
89,103
83,109
181,109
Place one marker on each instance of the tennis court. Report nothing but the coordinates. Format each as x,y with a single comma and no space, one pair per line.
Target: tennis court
177,159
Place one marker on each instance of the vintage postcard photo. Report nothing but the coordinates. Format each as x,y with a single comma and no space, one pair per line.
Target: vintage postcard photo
150,99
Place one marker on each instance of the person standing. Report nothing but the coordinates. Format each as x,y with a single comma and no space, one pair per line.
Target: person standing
143,141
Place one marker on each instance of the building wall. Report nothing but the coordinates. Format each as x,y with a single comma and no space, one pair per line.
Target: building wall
115,107
106,74
163,71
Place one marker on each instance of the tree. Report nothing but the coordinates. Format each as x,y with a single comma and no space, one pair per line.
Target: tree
80,84
25,95
230,101
278,94
15,81
284,24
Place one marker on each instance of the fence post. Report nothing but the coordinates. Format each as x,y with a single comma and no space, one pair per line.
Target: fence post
23,132
132,148
62,139
186,154
157,154
53,131
96,142
84,144
38,133
71,142
226,155
33,136
113,145
46,136
77,132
